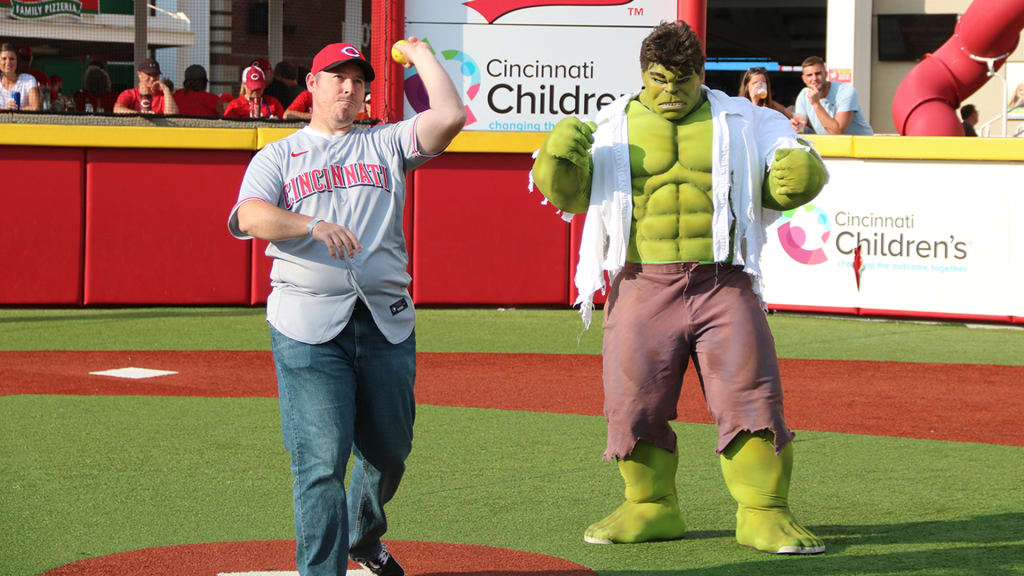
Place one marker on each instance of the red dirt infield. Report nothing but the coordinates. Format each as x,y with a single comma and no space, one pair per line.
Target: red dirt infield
419,558
967,403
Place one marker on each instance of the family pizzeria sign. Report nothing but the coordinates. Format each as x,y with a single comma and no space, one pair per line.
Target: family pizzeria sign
37,9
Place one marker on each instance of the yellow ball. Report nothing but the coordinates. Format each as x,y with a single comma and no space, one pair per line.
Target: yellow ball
397,55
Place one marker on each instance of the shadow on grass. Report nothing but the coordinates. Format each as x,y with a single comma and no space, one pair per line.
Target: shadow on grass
981,546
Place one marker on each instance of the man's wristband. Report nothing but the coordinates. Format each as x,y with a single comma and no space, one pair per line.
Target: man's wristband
312,224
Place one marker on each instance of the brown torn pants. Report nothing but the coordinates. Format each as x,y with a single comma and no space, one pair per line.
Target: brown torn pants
657,317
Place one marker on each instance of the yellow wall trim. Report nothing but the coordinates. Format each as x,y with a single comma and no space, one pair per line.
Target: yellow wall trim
185,138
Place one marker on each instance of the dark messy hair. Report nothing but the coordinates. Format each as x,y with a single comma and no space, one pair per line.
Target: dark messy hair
675,46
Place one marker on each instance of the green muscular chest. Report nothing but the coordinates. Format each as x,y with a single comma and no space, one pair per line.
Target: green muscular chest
670,164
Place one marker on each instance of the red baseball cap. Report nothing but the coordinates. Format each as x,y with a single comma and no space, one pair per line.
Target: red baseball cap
339,53
254,78
261,63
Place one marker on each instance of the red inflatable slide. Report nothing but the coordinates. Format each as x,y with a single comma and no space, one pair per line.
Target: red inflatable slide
927,100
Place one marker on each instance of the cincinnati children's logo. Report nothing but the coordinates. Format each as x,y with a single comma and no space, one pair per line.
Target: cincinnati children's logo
466,68
803,232
491,10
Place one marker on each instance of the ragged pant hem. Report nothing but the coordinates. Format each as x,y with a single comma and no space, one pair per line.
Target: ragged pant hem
623,449
779,439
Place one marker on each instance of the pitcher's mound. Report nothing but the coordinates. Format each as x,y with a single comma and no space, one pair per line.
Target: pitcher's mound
277,558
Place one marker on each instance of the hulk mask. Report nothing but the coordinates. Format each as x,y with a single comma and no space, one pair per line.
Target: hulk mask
671,94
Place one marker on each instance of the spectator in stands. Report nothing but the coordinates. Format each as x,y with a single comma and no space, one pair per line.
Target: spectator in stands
756,86
193,99
17,91
25,61
827,107
365,114
43,83
152,96
301,107
1018,99
95,91
56,93
264,64
969,114
253,103
285,86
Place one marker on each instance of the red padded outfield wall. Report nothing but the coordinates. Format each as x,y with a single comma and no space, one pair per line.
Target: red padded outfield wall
480,238
147,226
155,227
41,225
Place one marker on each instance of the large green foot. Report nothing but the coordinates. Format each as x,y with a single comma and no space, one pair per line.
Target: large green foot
758,480
775,531
651,510
639,522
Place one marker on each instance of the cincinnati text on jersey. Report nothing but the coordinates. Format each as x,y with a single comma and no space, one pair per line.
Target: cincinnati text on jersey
333,177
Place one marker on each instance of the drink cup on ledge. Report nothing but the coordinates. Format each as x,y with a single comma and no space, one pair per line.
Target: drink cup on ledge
17,100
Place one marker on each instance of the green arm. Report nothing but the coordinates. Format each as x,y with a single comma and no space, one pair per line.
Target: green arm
564,166
796,178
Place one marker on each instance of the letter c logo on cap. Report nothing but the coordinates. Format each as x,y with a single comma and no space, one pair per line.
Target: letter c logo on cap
351,52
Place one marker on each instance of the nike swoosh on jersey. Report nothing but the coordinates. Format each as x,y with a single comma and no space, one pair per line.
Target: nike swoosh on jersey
297,154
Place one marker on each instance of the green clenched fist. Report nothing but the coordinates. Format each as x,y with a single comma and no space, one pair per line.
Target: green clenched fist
571,140
796,178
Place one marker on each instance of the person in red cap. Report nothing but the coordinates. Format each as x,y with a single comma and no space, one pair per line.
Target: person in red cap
264,64
152,96
253,103
330,200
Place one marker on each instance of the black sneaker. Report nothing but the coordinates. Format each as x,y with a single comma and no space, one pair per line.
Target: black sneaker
384,565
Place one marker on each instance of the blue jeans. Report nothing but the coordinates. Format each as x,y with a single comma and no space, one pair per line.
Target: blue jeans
353,394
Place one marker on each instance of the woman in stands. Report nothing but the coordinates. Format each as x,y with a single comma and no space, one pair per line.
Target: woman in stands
17,91
758,89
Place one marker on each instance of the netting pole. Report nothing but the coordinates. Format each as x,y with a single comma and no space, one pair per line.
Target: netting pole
387,26
141,49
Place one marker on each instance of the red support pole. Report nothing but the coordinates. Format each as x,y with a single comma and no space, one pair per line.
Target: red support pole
695,13
386,92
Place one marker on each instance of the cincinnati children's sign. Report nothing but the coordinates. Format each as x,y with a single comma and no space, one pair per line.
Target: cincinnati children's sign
523,65
38,9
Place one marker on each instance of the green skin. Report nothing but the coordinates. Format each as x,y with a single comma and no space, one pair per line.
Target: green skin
670,143
670,133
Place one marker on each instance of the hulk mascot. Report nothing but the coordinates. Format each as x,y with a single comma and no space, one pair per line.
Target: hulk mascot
673,181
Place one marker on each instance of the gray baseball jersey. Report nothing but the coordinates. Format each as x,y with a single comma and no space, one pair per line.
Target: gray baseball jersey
356,180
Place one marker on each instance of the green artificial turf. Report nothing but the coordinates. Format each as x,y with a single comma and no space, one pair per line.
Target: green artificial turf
87,476
490,330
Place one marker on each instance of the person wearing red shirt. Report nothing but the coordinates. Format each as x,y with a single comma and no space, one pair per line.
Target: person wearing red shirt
253,103
152,96
193,99
301,107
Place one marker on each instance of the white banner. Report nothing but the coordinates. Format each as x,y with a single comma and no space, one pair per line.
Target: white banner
935,237
523,65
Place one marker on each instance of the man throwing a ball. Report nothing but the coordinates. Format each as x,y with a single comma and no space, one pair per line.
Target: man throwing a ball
329,199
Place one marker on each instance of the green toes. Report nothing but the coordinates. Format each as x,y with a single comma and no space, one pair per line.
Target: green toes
758,480
639,522
651,510
775,531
